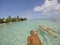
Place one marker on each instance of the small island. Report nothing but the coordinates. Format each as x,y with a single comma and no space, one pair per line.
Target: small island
10,19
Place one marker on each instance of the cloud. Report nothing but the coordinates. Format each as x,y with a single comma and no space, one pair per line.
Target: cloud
49,8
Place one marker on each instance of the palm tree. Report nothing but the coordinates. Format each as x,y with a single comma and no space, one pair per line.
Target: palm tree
10,19
17,19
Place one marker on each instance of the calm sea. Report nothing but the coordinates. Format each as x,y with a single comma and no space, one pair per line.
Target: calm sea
16,33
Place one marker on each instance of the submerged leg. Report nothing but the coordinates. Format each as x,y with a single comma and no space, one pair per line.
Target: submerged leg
55,31
51,34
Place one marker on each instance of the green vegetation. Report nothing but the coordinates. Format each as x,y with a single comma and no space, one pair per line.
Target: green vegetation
10,19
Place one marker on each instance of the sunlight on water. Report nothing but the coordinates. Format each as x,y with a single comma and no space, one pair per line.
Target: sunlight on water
17,33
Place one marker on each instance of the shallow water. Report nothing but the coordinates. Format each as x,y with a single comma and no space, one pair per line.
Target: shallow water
16,33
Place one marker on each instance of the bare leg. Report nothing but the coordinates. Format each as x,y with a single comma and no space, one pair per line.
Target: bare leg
53,30
51,34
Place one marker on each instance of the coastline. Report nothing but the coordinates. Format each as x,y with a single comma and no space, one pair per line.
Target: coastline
2,23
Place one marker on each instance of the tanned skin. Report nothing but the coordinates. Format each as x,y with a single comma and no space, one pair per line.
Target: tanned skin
47,30
33,39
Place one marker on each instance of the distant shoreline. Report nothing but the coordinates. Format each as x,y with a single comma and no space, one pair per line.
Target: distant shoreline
10,19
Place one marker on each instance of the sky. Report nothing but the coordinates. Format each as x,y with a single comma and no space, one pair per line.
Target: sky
30,9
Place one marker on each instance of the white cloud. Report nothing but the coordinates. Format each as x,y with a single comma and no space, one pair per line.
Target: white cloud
49,8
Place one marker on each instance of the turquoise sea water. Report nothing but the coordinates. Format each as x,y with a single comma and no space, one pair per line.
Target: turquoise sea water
16,33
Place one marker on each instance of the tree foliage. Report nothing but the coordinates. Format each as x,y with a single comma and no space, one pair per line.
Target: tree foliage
10,19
